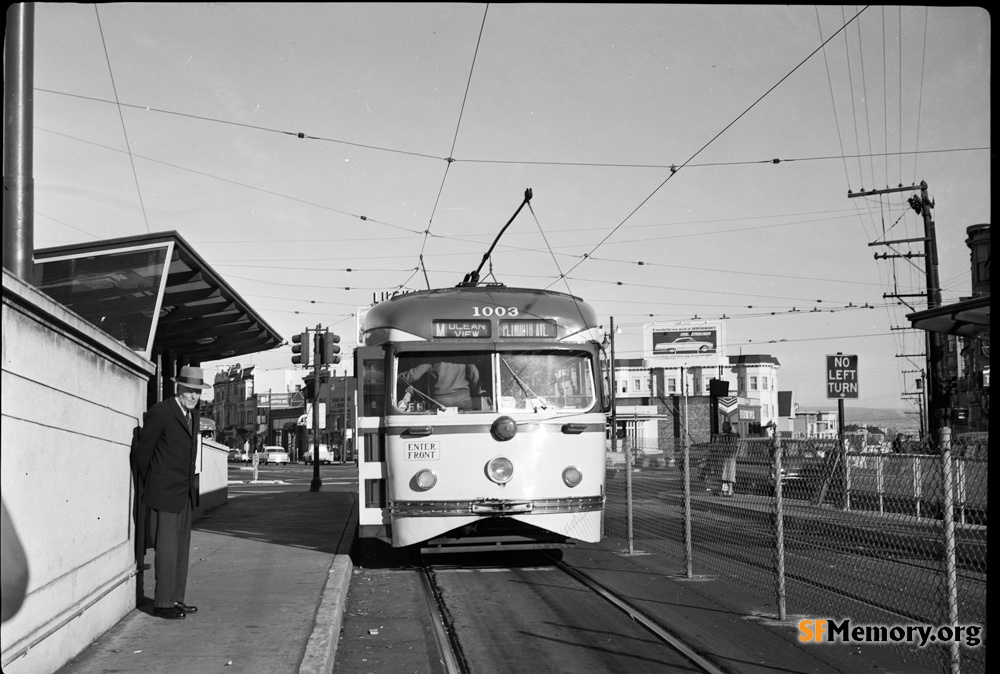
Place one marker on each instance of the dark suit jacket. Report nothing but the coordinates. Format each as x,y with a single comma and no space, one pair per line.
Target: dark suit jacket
165,457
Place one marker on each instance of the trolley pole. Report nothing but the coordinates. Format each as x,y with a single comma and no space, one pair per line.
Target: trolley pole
316,481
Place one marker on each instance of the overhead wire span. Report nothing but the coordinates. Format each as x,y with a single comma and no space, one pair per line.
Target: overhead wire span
674,171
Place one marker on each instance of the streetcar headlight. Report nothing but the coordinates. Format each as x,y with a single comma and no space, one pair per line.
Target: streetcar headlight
425,479
572,476
500,470
504,428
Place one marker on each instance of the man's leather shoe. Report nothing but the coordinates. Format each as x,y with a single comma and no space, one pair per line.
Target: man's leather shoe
186,608
168,613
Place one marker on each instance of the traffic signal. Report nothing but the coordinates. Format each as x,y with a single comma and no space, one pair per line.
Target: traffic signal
300,348
328,348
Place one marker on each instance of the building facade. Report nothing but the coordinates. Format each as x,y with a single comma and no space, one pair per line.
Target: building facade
234,407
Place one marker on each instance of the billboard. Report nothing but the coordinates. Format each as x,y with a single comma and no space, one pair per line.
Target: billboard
684,340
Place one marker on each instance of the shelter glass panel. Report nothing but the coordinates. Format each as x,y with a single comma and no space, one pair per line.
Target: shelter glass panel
117,291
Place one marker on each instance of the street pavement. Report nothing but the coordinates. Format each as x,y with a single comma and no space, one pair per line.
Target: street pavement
270,573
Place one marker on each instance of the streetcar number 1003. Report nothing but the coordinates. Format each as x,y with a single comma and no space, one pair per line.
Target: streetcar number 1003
494,311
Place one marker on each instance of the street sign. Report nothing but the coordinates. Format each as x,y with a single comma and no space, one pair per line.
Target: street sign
841,376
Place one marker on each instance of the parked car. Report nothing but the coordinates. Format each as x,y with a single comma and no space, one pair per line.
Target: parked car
274,454
325,456
684,345
615,463
233,456
802,467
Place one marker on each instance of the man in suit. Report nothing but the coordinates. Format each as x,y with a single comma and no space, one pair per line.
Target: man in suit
165,460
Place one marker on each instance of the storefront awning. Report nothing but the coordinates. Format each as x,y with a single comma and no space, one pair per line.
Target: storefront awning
969,318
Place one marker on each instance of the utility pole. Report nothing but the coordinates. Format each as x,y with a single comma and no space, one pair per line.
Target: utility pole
938,398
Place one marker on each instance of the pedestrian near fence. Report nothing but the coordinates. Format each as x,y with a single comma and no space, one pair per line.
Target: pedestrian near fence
165,461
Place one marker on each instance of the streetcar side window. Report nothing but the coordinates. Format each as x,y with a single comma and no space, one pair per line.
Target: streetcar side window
537,381
433,382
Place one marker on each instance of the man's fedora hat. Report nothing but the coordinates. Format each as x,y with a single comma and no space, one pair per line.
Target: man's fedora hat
192,377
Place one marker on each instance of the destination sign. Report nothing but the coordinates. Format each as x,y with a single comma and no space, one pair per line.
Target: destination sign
526,328
444,329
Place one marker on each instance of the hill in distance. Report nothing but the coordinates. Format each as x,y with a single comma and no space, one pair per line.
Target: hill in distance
876,416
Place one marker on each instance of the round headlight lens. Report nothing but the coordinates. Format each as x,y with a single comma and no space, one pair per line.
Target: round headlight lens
425,479
500,470
572,476
504,428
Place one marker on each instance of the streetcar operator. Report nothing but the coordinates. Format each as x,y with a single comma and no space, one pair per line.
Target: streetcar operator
451,384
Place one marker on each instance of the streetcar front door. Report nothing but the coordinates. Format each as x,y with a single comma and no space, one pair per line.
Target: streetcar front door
373,514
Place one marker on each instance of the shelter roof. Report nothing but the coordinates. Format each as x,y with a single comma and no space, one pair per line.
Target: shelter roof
153,292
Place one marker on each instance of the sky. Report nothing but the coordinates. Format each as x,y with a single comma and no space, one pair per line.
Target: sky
684,160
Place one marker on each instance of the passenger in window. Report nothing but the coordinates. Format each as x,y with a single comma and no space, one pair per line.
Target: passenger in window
451,384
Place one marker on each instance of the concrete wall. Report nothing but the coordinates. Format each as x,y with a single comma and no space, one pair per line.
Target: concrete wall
214,482
71,397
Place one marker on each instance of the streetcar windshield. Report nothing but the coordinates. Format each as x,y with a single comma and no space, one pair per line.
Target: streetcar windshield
537,381
508,381
440,381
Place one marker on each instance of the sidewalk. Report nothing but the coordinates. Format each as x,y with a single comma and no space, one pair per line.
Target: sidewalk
269,574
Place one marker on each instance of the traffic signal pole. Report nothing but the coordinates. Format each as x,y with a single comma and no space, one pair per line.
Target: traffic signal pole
317,482
325,350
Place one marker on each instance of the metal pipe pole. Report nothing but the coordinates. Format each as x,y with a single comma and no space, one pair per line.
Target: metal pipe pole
779,532
18,180
688,543
950,563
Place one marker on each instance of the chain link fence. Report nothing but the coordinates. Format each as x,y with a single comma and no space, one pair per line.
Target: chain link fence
880,538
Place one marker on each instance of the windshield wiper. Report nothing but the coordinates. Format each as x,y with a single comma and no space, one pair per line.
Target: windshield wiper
410,387
532,396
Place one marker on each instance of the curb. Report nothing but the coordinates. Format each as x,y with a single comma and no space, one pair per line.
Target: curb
321,649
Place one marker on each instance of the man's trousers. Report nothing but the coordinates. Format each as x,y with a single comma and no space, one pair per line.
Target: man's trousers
172,536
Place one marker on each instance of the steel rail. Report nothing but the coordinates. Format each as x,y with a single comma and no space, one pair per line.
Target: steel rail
451,654
672,640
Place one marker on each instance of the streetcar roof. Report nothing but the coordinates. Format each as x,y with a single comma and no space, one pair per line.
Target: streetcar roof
483,313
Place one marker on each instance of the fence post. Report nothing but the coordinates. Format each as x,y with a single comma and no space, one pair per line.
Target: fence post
629,518
950,579
846,462
779,532
880,482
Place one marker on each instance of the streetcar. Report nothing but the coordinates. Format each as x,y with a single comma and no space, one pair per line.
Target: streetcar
481,420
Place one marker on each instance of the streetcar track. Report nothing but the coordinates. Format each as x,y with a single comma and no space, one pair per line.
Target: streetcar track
635,614
453,658
450,649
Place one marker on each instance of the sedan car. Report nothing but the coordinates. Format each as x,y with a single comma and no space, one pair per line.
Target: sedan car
684,345
614,464
324,455
802,467
275,455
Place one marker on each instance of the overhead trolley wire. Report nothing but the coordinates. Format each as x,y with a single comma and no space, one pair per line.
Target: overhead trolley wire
673,171
121,118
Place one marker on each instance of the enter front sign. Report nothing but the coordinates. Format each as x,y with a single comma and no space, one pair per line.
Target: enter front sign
841,376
